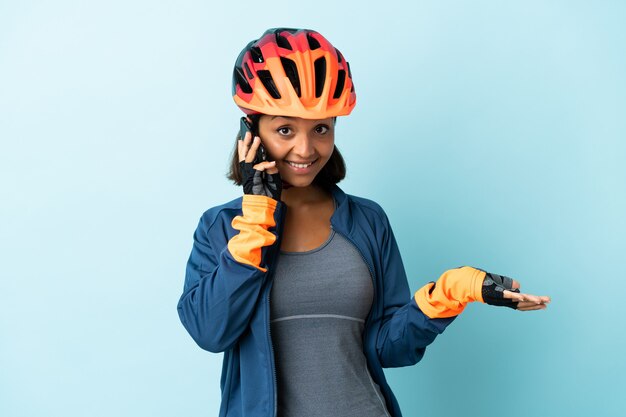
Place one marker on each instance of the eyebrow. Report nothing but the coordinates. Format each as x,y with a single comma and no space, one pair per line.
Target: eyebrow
284,117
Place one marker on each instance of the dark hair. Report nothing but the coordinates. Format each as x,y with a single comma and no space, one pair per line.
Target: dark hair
333,172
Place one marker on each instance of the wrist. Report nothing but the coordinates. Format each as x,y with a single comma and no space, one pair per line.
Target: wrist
451,293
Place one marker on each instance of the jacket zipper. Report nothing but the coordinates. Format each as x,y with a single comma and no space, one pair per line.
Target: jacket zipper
267,315
269,335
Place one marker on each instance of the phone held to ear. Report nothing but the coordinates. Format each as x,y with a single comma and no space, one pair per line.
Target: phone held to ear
258,182
246,126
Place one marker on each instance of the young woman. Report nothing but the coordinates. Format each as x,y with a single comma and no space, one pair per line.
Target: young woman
301,285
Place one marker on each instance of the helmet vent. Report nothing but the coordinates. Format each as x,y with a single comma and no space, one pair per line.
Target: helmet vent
341,80
313,43
339,57
283,42
292,73
257,56
241,81
320,75
268,83
350,76
248,72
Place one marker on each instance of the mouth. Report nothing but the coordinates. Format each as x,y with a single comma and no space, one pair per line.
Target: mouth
300,165
301,168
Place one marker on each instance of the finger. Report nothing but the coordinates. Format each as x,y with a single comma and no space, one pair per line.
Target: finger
272,170
247,138
516,284
521,297
240,150
537,299
515,296
534,307
533,298
524,304
262,166
253,148
242,145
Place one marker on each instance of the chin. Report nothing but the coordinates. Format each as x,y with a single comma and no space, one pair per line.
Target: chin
298,182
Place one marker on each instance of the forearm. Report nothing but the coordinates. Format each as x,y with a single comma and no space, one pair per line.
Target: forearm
253,225
221,290
217,310
407,335
453,290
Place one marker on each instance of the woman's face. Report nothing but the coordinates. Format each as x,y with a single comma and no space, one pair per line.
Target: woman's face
300,147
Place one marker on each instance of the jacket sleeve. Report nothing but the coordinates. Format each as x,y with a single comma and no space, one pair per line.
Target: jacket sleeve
408,328
222,284
405,330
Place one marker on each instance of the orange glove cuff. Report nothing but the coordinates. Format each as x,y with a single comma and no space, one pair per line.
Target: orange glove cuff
258,217
453,290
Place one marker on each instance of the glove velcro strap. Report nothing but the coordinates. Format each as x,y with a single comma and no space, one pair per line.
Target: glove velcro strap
493,289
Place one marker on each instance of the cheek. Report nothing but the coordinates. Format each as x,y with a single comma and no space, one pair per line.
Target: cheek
269,149
328,149
272,147
274,152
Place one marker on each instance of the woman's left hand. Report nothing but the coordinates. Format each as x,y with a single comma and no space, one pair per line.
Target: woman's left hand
504,291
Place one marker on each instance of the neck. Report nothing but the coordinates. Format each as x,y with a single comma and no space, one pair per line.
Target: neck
301,196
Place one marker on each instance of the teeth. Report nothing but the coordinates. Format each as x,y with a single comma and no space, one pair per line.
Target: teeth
299,165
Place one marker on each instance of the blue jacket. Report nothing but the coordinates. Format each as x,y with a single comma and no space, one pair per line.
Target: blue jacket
225,304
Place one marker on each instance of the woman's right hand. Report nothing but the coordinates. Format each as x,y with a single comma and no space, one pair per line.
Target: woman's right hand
258,179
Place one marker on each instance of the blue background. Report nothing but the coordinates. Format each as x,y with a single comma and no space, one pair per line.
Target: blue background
491,132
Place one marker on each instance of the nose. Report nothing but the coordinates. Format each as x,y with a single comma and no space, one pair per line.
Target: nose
303,146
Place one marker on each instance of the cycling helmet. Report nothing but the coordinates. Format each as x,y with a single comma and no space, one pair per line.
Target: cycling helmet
293,72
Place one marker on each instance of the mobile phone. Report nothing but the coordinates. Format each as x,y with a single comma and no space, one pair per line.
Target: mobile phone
246,126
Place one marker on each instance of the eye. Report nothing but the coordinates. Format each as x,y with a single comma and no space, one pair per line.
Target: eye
322,129
284,131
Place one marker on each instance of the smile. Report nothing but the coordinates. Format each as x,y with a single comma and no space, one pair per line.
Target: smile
293,164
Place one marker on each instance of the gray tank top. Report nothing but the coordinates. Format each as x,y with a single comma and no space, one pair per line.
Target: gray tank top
318,306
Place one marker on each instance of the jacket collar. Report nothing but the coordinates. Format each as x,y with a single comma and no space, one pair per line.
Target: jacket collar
341,218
